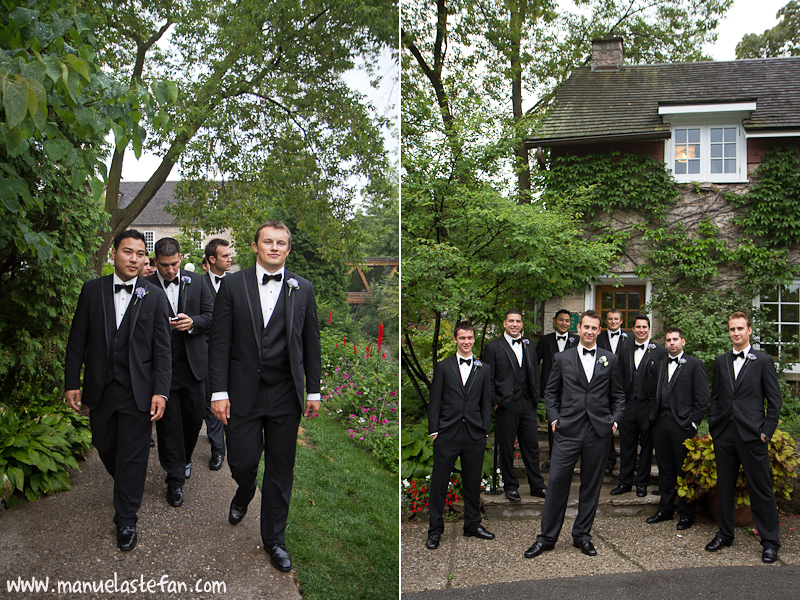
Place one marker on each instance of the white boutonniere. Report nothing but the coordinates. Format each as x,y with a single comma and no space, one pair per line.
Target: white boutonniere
140,293
602,361
625,335
184,280
293,285
478,364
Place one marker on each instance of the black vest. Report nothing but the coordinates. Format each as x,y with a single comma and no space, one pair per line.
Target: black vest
275,366
521,383
118,365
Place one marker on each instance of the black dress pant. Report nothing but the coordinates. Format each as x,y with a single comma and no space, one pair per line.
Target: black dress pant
518,420
668,438
731,452
121,434
215,430
270,428
634,432
446,451
179,427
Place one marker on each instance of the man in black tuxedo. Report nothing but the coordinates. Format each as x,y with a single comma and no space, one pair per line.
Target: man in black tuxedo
549,345
120,332
614,340
516,394
459,416
264,343
638,367
743,380
680,400
191,306
585,399
218,258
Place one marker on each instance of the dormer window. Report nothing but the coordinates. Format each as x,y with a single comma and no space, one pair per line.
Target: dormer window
707,142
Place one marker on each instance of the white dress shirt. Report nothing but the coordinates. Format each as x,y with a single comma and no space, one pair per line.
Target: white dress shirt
614,338
122,298
638,353
738,362
517,348
214,281
561,340
464,368
587,360
269,293
673,366
172,291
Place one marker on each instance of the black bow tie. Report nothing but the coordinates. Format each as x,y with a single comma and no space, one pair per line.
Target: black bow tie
561,338
128,287
587,351
267,277
217,278
673,360
516,341
738,355
640,346
614,333
464,361
167,282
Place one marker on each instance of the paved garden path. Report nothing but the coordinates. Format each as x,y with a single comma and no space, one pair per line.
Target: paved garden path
191,550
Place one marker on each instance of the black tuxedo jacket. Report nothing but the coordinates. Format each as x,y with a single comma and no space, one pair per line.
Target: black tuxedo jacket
450,401
196,301
639,382
741,400
546,351
604,341
235,341
92,333
569,397
686,393
499,355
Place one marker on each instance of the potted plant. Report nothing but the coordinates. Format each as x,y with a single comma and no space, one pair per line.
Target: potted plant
700,474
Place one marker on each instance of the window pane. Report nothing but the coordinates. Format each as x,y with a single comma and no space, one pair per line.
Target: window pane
790,313
694,136
771,313
716,135
730,134
605,300
633,300
620,300
788,332
790,293
716,165
730,150
694,166
680,136
716,151
770,349
770,294
680,167
730,165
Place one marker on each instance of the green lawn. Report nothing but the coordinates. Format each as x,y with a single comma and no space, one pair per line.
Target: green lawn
343,532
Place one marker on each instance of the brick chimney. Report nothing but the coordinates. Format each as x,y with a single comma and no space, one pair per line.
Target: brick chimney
608,54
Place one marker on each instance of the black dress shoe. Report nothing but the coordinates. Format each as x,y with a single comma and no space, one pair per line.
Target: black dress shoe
684,523
126,538
658,517
641,491
620,489
188,472
586,547
540,493
279,557
432,543
513,495
175,495
716,544
479,532
215,464
537,549
769,555
236,512
545,464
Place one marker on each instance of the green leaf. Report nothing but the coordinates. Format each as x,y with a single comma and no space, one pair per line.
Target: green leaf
15,102
20,17
79,65
56,149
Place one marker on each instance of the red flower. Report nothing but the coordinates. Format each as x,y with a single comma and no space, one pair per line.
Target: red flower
330,316
380,333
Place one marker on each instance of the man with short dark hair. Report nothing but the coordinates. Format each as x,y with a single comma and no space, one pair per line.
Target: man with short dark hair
549,345
459,415
264,351
191,306
585,399
218,260
516,394
638,364
120,333
744,381
679,402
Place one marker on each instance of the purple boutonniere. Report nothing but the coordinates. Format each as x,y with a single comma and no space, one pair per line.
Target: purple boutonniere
751,356
571,340
651,346
477,363
625,335
184,280
682,361
293,285
140,293
526,341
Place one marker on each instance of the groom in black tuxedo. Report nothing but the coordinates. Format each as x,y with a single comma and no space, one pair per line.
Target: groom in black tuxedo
516,394
264,347
585,399
459,415
191,306
679,400
615,340
121,333
743,380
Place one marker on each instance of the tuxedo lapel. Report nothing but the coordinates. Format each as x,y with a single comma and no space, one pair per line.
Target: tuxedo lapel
290,299
738,379
182,291
729,366
576,361
109,312
509,353
134,307
253,303
471,379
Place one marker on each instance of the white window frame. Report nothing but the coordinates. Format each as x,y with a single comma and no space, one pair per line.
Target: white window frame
150,243
705,117
795,368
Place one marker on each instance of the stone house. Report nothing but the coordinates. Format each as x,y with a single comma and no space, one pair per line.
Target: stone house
710,123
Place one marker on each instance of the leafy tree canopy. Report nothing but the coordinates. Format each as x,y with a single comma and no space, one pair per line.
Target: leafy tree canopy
781,40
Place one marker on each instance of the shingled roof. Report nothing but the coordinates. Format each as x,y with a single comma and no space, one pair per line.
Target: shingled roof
153,213
622,104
